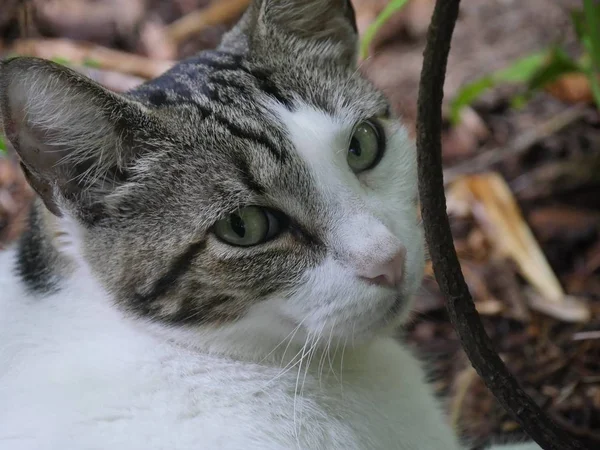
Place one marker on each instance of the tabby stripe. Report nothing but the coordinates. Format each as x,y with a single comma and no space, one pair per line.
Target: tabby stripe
236,130
248,177
270,88
257,138
236,64
35,257
243,133
178,268
234,84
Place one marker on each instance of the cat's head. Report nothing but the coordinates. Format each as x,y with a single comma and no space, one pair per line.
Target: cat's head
264,180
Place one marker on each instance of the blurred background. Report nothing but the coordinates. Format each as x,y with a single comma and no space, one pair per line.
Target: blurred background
521,147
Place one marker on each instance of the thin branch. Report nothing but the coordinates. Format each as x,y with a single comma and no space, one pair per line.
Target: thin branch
461,309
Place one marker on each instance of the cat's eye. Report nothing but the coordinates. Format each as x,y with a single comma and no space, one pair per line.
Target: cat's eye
366,146
248,226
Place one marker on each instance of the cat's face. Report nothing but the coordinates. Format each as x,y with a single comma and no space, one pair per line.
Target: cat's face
265,176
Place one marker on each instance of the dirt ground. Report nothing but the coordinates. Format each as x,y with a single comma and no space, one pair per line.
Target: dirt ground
526,225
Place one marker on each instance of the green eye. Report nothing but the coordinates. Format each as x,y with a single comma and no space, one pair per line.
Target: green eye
366,146
248,226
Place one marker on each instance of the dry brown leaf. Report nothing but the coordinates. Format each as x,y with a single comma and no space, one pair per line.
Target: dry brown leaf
15,196
428,269
462,140
115,81
80,53
366,11
459,199
418,16
550,222
478,287
91,20
570,309
571,88
218,12
462,382
495,208
9,11
154,41
489,307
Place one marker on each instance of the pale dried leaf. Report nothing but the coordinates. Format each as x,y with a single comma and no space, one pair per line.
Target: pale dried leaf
496,210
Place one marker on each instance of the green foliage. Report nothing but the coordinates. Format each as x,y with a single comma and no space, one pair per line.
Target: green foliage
538,70
90,62
591,9
519,71
556,64
87,62
60,60
390,9
2,146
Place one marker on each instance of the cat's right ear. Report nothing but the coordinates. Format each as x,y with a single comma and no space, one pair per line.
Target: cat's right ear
329,22
74,137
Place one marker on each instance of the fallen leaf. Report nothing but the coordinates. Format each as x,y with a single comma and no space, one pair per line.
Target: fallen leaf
571,88
496,210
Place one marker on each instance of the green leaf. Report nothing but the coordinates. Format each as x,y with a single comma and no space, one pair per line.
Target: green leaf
384,16
519,101
60,60
557,64
90,62
519,71
522,69
2,146
595,84
579,24
591,9
467,95
537,70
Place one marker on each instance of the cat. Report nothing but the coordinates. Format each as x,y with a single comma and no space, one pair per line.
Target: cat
217,259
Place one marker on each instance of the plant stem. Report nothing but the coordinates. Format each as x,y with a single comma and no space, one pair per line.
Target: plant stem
461,309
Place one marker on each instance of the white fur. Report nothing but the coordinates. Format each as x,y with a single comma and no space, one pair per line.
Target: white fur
370,216
313,371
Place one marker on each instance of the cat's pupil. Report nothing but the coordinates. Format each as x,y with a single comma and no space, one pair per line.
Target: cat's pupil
355,147
238,225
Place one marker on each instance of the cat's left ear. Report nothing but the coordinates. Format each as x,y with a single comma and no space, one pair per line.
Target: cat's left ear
75,139
331,22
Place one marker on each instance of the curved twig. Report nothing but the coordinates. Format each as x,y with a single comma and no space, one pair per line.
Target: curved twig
461,309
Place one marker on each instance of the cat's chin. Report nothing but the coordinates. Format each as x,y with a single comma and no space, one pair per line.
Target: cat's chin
391,312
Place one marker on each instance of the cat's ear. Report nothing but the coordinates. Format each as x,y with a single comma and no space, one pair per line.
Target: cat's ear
329,21
72,135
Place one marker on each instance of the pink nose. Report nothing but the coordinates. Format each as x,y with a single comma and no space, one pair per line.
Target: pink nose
388,273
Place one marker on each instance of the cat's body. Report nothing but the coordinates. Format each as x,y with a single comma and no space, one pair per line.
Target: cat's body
217,260
84,377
